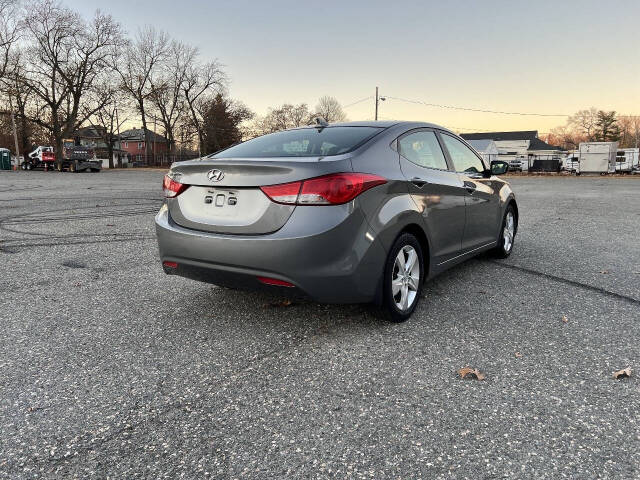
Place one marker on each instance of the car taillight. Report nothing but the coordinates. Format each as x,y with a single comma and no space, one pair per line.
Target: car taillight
333,189
172,188
284,193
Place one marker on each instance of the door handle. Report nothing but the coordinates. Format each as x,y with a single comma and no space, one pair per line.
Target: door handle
470,187
418,182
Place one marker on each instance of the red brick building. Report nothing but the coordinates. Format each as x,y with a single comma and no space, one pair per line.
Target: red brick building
133,142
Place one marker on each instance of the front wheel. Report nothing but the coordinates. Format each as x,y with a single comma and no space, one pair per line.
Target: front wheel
403,278
507,234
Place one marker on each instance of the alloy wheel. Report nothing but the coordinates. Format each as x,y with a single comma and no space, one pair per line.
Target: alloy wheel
406,278
508,232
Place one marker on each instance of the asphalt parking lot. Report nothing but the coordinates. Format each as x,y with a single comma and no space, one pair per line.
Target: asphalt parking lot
110,369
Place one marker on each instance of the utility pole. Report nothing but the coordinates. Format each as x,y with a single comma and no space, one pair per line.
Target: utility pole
376,104
15,133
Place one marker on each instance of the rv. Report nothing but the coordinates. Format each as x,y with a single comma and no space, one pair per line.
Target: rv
627,160
597,157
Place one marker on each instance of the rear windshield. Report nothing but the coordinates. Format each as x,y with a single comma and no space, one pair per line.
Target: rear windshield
304,142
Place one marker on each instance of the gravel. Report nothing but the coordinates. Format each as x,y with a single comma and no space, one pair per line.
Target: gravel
109,368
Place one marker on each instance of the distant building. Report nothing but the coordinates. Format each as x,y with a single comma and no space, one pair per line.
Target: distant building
523,150
486,147
133,142
93,137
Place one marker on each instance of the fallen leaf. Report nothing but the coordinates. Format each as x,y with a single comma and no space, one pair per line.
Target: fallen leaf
624,373
518,355
605,272
564,319
281,303
471,372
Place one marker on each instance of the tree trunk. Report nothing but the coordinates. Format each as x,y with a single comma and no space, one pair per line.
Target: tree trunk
26,146
59,151
144,130
203,150
110,153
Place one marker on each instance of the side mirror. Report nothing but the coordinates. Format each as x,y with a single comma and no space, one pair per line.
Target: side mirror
498,167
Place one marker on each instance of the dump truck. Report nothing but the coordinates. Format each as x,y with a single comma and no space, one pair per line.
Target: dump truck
77,158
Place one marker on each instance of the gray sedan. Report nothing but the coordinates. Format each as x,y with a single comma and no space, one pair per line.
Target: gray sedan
341,213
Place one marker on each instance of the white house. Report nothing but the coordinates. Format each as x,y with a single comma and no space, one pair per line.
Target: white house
486,148
523,150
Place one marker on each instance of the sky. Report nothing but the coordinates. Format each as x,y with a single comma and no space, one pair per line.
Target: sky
546,57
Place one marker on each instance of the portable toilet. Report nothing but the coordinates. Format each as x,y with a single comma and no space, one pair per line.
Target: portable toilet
5,159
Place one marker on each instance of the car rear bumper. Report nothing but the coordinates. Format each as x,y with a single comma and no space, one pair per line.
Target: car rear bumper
328,253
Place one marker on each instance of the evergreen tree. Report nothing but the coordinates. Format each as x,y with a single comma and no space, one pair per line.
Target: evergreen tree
607,129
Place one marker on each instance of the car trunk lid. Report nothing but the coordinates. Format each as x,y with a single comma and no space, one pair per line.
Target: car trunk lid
224,195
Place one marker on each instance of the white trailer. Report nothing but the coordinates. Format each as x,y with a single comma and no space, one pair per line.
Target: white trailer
597,157
627,160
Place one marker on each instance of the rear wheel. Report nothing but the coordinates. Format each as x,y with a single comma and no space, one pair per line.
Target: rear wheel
403,278
507,234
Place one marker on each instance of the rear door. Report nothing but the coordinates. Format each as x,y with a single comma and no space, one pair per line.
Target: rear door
437,191
482,200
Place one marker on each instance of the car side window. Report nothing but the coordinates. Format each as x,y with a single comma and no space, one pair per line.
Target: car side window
464,160
423,149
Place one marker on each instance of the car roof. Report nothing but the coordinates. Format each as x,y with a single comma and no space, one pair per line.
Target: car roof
383,124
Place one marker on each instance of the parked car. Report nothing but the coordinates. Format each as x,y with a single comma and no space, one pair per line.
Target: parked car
571,162
519,164
344,213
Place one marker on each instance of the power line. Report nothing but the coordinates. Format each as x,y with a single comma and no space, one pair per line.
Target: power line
452,107
358,101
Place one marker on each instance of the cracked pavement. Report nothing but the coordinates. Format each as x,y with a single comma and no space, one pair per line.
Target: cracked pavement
110,369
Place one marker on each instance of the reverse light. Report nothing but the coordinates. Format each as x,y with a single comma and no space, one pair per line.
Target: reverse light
333,189
172,188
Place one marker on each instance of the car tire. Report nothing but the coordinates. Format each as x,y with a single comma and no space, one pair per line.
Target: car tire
507,235
402,289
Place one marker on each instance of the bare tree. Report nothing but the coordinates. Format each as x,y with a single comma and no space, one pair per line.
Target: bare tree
281,118
18,96
136,66
200,83
167,88
566,137
585,122
64,64
330,109
630,131
107,120
9,32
